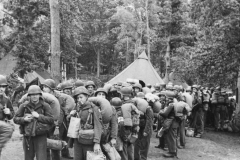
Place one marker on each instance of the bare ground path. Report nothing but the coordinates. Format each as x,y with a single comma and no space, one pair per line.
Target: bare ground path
212,146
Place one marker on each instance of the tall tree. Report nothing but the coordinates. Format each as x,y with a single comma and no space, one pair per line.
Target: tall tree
55,38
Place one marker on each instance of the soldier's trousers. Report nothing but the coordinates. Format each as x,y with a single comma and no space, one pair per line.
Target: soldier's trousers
80,150
141,146
182,132
128,151
199,121
6,131
35,146
171,136
220,114
63,136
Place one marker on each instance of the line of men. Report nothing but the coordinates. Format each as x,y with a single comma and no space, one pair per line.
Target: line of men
134,109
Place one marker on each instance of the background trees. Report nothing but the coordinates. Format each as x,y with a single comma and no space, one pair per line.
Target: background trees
198,39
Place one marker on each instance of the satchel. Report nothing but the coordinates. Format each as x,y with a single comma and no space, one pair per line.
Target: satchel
93,156
86,134
74,127
35,128
111,152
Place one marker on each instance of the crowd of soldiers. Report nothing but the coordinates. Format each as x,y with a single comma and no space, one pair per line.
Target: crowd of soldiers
137,109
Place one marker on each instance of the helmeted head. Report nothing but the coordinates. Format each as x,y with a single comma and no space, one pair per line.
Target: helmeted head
81,94
170,95
3,84
169,87
157,86
101,92
137,88
90,85
78,83
67,87
194,88
162,96
189,89
140,95
116,102
126,92
34,92
49,85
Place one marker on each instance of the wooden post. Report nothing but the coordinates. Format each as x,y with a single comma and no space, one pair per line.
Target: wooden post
148,36
55,39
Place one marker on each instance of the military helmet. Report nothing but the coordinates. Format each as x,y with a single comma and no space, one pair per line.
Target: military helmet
3,81
50,83
101,90
80,90
116,101
176,87
126,91
170,94
137,85
140,95
169,87
66,85
157,86
189,89
195,86
34,89
79,83
90,83
162,93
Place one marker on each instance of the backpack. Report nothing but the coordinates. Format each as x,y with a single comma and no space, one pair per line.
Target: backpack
35,128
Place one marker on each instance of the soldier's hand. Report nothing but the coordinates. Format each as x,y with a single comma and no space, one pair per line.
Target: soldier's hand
113,142
6,111
35,114
97,148
145,134
73,112
28,118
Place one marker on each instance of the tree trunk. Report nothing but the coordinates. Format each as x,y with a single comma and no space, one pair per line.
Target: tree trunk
76,68
238,92
148,36
55,39
98,63
167,59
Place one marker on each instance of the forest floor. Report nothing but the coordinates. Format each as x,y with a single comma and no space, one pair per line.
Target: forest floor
212,146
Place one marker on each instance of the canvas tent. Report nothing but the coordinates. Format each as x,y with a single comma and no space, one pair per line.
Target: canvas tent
7,64
140,69
40,74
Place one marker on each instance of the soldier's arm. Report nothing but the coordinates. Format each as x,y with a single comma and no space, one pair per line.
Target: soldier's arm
114,125
19,116
47,118
166,111
9,105
149,121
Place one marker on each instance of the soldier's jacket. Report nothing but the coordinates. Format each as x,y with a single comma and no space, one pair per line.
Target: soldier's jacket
44,110
67,103
83,111
169,113
146,121
5,102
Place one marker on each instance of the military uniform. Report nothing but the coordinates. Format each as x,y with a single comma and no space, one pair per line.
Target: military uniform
36,145
80,149
143,142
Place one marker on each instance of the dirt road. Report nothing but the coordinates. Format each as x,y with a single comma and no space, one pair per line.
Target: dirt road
212,146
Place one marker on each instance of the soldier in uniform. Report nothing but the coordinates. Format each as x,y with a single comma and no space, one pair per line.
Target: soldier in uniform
35,110
171,135
136,89
142,144
127,132
162,142
90,85
66,102
197,112
67,87
6,113
78,83
90,120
